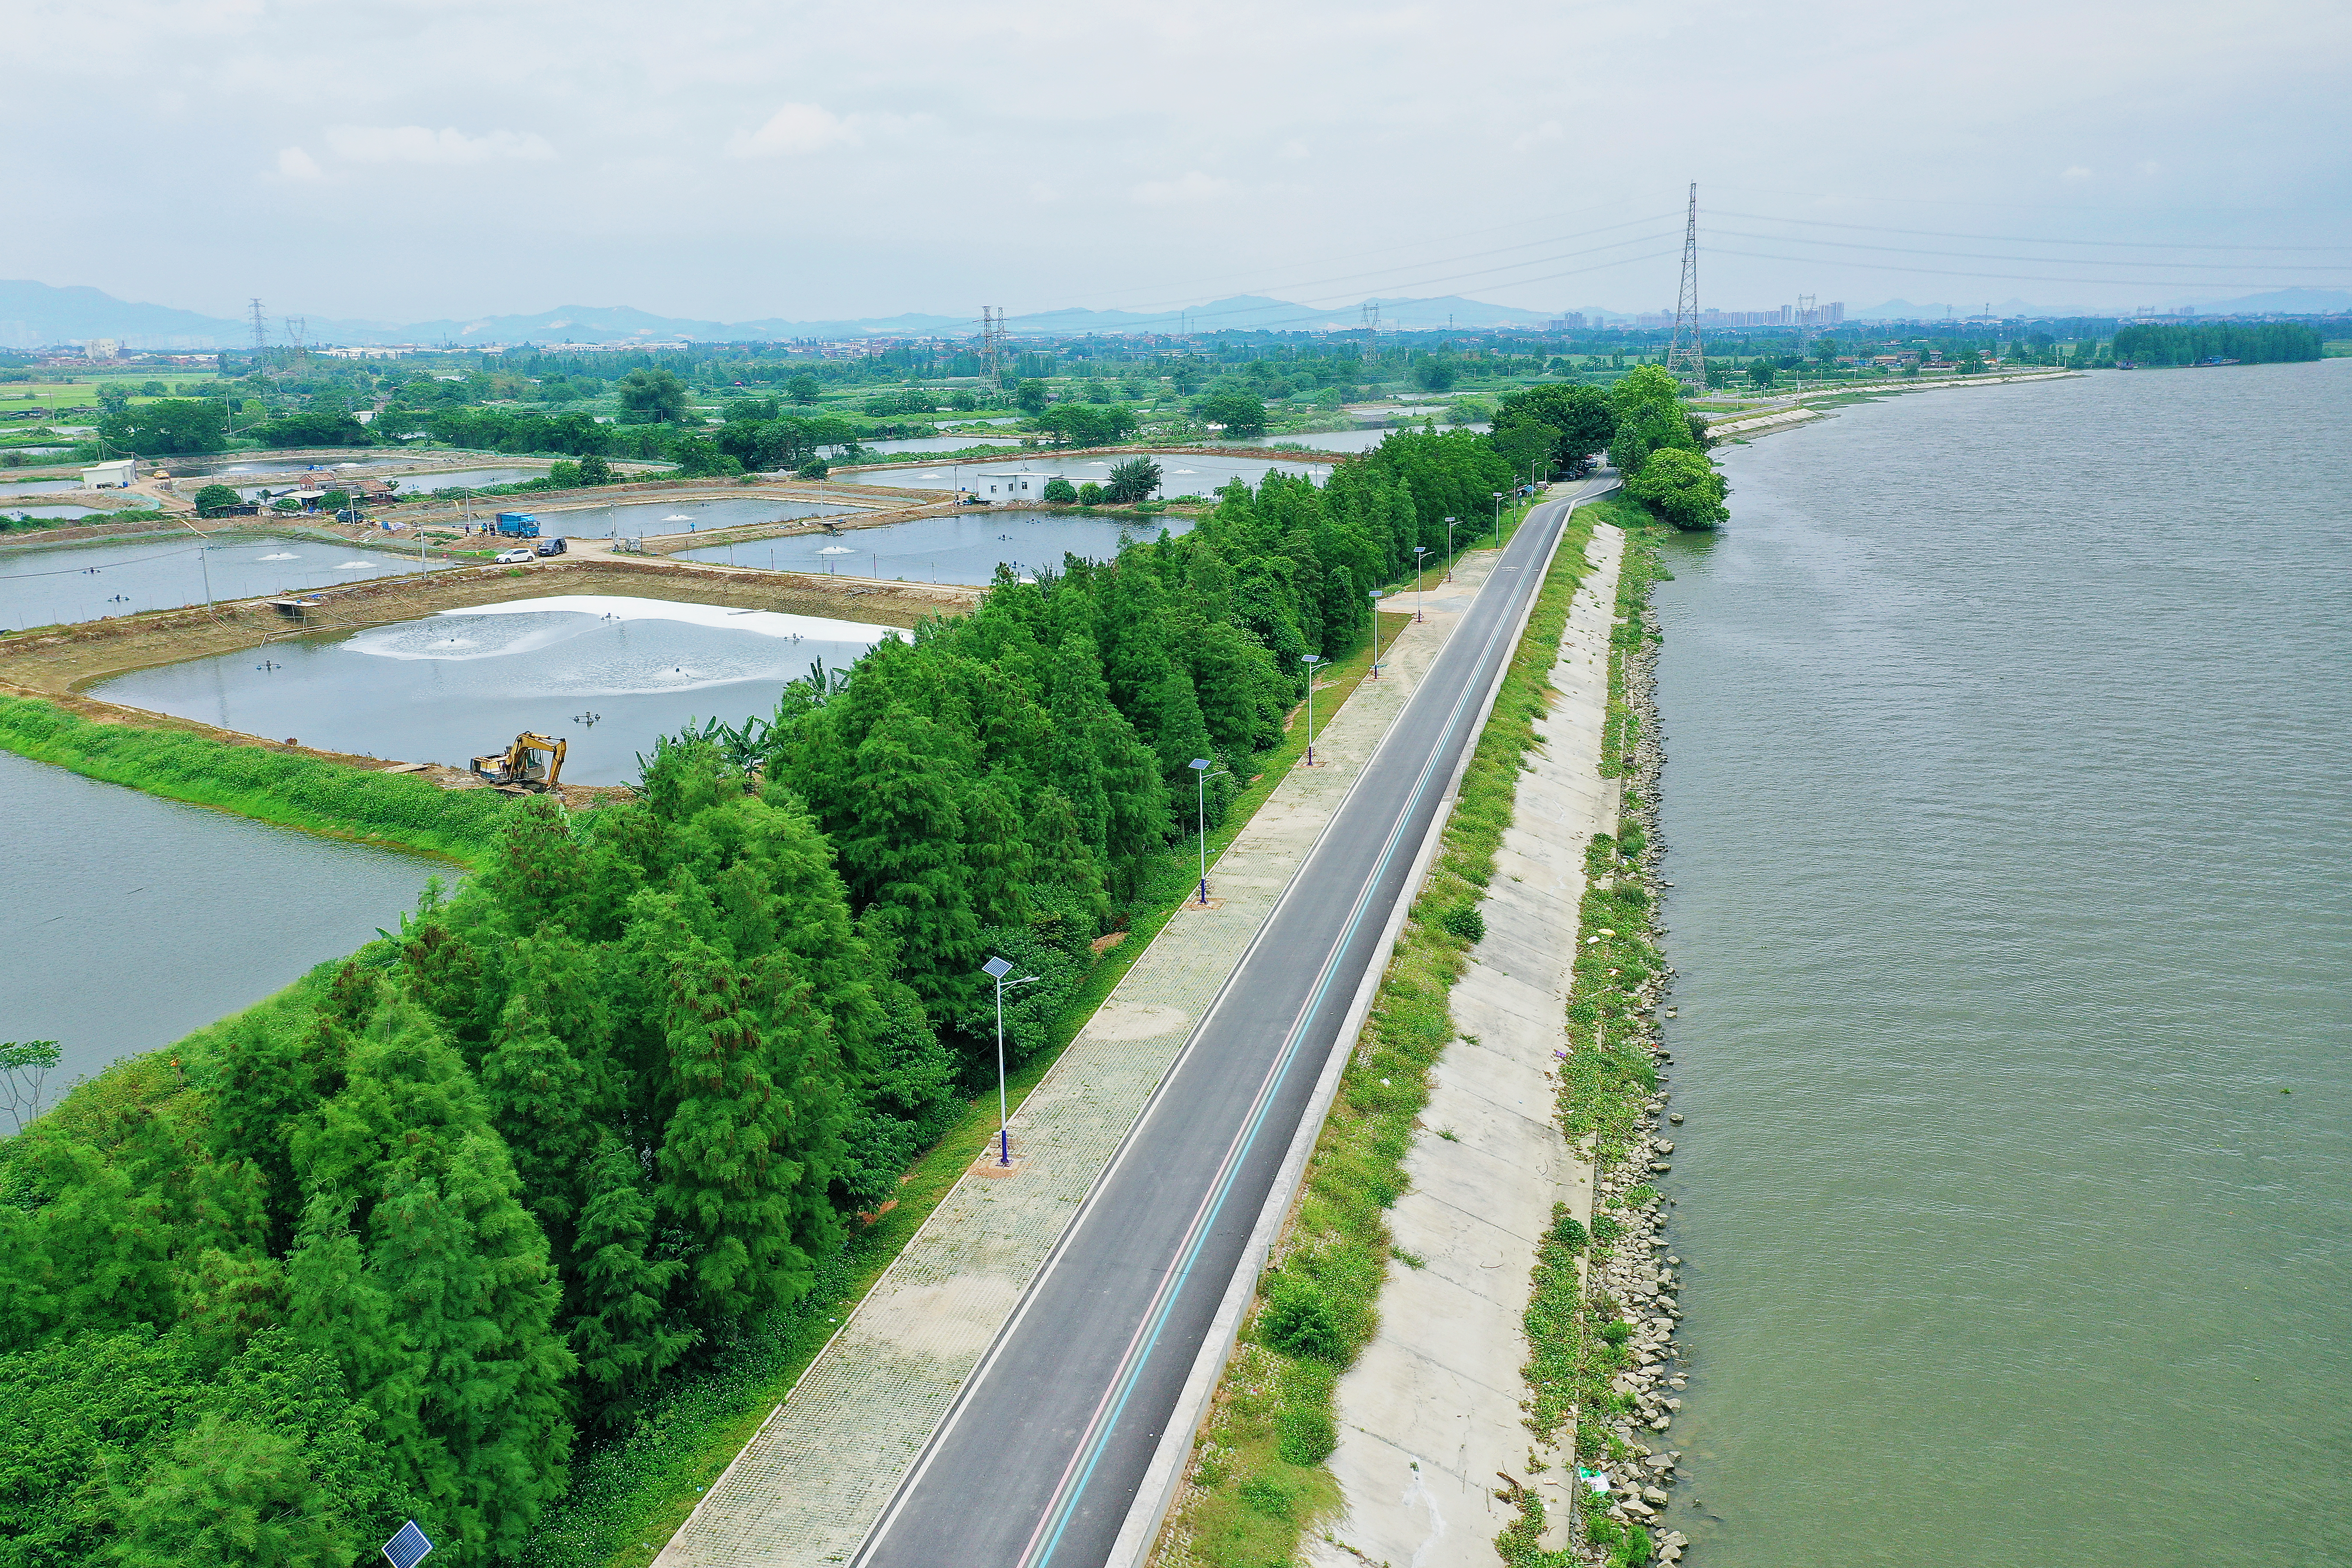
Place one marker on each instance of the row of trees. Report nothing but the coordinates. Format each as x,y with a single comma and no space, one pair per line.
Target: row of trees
387,1246
1653,441
2267,342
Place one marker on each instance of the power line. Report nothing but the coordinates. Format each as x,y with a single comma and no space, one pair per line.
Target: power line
2005,276
2017,238
2037,260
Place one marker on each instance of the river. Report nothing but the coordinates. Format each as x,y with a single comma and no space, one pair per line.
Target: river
2006,799
130,921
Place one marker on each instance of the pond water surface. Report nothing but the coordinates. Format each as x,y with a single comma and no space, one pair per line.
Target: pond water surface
608,674
130,921
632,519
70,583
1180,473
36,487
964,548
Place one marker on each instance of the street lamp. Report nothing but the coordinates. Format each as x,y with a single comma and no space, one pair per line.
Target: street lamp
996,969
1498,519
1201,777
1311,660
1376,634
1449,549
1420,600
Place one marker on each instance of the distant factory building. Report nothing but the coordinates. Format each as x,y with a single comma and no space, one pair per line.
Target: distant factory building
110,476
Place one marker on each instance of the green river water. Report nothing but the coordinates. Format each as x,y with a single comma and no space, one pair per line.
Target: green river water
2009,803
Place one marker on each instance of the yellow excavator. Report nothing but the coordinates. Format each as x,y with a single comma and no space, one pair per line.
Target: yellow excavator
518,770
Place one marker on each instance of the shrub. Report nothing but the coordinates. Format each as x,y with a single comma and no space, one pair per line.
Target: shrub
1607,1228
1298,1319
815,469
1566,1231
1061,490
1304,1434
1464,921
1090,494
1616,1331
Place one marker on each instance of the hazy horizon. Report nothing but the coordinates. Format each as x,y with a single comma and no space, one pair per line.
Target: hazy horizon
426,160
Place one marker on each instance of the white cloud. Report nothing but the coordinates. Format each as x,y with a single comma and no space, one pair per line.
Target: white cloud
2077,172
293,164
1193,186
416,144
1549,131
795,131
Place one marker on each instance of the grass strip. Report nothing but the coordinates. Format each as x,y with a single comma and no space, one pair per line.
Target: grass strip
1576,1332
1257,1478
394,810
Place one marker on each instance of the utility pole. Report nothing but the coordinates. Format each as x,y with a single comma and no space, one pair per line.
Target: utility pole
1680,355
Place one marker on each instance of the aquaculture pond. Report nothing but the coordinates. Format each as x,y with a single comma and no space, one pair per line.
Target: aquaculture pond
964,548
130,921
1180,473
631,519
36,487
69,582
606,673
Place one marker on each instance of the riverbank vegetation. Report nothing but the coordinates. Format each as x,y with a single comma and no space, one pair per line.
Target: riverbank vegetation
2200,342
398,810
1256,1477
401,1240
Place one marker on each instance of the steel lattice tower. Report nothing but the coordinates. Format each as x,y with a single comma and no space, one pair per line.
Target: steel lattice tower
1693,357
260,334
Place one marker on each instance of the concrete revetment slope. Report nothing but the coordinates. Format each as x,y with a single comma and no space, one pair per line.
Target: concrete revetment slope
1431,1411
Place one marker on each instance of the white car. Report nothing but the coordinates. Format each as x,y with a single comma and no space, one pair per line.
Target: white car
515,557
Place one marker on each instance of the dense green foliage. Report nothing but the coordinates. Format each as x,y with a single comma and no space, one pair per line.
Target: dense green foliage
275,786
394,1242
1660,448
2267,342
167,427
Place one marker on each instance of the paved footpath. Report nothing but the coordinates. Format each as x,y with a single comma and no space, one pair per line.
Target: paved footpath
807,1487
1431,1410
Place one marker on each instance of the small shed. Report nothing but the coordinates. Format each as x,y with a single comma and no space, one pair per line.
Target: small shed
110,476
1021,487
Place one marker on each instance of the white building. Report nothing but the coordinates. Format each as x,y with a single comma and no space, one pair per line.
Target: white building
110,476
1020,486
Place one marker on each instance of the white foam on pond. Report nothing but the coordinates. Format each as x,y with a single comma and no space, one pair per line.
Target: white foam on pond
282,555
622,607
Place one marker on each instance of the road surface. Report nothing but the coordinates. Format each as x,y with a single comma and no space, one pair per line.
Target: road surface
1037,1462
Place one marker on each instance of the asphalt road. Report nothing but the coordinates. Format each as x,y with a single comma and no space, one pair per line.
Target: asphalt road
1040,1458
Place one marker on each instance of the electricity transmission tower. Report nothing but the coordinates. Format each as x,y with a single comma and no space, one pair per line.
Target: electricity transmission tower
991,344
261,332
1688,357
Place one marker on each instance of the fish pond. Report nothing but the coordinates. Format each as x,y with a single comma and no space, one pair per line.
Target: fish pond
964,548
607,673
70,583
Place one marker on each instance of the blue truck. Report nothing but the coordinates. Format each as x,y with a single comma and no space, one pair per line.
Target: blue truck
517,525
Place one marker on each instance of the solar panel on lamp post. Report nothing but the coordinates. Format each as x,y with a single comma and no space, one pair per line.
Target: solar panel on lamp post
996,969
1420,595
1201,777
1311,660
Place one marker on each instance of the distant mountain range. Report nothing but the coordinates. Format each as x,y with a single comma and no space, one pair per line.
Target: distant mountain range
35,315
38,315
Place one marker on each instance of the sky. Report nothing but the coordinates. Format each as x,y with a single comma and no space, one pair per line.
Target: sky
406,160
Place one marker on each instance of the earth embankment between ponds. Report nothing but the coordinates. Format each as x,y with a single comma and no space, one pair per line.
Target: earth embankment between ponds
58,663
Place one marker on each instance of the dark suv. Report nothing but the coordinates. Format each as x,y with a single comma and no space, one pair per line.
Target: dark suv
550,546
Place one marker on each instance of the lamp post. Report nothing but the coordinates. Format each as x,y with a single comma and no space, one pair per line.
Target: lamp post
1420,599
1201,777
996,969
1311,660
1498,519
1449,549
1376,634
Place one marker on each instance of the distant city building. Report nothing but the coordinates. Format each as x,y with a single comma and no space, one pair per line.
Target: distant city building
103,348
1571,322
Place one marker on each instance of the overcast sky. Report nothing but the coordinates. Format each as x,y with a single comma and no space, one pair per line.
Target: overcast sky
403,160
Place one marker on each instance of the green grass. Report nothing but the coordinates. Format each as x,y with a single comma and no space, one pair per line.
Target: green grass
1576,1335
394,810
1260,1438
